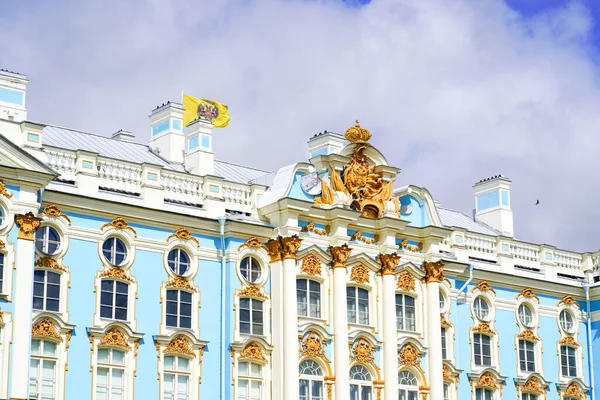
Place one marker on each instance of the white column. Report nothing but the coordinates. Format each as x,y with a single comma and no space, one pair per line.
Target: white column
390,347
341,353
290,318
274,250
23,292
434,273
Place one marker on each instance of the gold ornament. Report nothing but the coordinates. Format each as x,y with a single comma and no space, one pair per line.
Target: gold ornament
487,381
356,134
116,272
136,346
180,345
252,291
28,224
358,236
4,191
114,337
568,300
528,293
569,340
1,317
274,248
434,271
533,385
528,334
253,351
311,265
290,246
312,346
54,211
181,283
340,255
446,374
184,234
410,356
252,243
406,282
119,223
404,245
68,338
329,390
444,321
359,274
49,262
573,390
484,328
310,227
388,262
484,287
46,328
362,352
2,244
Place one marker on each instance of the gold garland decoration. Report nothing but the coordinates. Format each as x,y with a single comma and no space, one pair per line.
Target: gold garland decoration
568,300
358,236
54,211
528,334
573,390
484,328
114,337
49,262
180,345
253,291
181,283
252,243
533,385
410,356
484,286
570,341
486,380
362,352
312,346
415,249
252,351
116,272
527,292
406,282
310,227
4,191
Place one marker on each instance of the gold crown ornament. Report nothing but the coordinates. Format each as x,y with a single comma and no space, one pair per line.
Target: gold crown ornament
356,134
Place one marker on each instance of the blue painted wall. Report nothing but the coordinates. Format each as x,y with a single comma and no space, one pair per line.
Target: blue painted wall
418,215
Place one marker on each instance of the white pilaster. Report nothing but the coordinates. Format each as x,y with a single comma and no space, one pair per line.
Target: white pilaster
390,347
274,249
290,329
433,275
23,293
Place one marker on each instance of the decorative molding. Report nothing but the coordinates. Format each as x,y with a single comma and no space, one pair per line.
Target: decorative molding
362,352
253,291
447,375
114,337
487,381
68,338
358,236
569,341
184,234
253,243
360,274
46,328
4,191
274,248
290,246
568,300
434,271
136,345
181,283
339,255
2,244
388,262
484,286
406,282
484,328
356,134
410,356
1,317
527,292
28,223
252,351
54,211
180,345
310,227
116,272
573,390
312,346
119,223
445,322
533,385
49,262
528,334
415,249
311,265
329,390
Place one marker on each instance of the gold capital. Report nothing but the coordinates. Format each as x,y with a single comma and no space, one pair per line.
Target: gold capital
340,255
434,271
290,246
27,223
388,262
274,248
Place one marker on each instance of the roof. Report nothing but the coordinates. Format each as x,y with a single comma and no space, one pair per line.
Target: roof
451,218
70,139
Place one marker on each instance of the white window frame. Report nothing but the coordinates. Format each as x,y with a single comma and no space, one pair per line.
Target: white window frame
529,396
110,366
523,317
477,309
45,228
445,349
361,383
308,293
481,353
311,378
44,297
575,361
356,304
41,358
565,311
114,296
527,353
406,388
179,302
403,312
249,378
251,321
483,393
178,263
176,373
113,252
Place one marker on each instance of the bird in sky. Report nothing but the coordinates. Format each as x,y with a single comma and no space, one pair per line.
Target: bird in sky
537,202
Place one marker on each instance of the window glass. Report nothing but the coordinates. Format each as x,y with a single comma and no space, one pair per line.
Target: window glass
42,370
482,350
525,315
566,321
176,379
405,312
250,383
1,272
528,396
179,261
481,309
251,316
407,386
483,394
311,381
113,299
446,391
526,356
250,269
308,295
568,361
442,302
179,309
360,383
444,348
46,290
2,216
47,240
115,251
110,375
357,300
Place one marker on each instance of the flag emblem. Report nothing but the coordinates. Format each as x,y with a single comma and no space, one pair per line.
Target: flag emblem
207,111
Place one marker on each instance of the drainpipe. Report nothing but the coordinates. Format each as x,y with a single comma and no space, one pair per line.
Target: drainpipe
586,287
223,297
464,287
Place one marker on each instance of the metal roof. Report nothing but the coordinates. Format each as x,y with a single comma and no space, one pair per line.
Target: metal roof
451,218
69,139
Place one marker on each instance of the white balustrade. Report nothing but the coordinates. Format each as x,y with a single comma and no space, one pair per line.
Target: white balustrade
237,194
182,187
120,176
524,252
64,164
567,259
481,244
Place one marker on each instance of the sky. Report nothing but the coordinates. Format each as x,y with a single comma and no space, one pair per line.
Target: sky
453,90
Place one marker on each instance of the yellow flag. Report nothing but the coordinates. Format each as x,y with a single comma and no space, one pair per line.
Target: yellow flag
213,111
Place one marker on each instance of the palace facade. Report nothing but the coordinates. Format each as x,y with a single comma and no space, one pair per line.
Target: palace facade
155,271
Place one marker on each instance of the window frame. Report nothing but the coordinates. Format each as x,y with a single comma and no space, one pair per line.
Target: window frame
476,310
569,365
45,285
483,392
573,322
179,302
41,358
114,298
311,379
251,321
110,366
45,227
444,336
175,268
260,278
176,372
356,301
248,377
361,384
481,352
113,252
406,388
308,292
401,326
522,318
527,353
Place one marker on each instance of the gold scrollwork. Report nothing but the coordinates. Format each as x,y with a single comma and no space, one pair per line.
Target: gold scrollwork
573,390
181,283
4,191
311,265
444,321
357,134
447,376
115,337
28,223
570,341
312,346
180,345
484,328
527,292
358,236
310,227
568,300
533,385
528,334
434,271
252,243
487,381
274,248
410,356
184,234
54,211
360,274
253,291
116,272
388,262
46,328
483,286
119,223
49,262
362,352
253,351
415,249
406,282
290,246
339,255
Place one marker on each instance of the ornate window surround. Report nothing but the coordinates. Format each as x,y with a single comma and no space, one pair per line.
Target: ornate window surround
534,384
306,268
259,254
178,283
575,388
118,274
182,239
52,264
252,292
529,333
485,327
568,304
361,272
120,229
409,282
255,350
7,248
487,378
451,376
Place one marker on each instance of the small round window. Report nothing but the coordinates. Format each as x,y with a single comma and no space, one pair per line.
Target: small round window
525,315
47,240
251,269
178,261
481,309
566,321
114,250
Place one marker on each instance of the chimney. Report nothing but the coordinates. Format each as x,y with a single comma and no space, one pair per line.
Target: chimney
200,159
13,87
123,135
492,203
166,132
325,143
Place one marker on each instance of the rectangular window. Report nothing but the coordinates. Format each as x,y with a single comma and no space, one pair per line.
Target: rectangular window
526,356
446,391
113,299
110,376
251,316
176,383
249,381
42,370
483,394
528,396
567,361
444,348
357,300
482,350
46,290
1,273
405,313
179,309
308,295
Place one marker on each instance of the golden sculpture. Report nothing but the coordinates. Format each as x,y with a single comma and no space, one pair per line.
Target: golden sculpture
180,345
312,346
528,334
388,262
253,291
181,283
184,234
527,292
290,246
311,265
274,248
446,374
54,211
484,287
114,337
356,134
28,223
329,390
406,282
444,321
362,352
487,381
339,255
49,262
252,243
310,227
568,300
119,223
2,244
404,245
570,341
410,356
4,191
434,271
533,385
46,328
68,338
356,236
573,390
253,351
484,328
359,274
116,272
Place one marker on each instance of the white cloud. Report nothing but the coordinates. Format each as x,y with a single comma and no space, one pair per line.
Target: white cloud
453,91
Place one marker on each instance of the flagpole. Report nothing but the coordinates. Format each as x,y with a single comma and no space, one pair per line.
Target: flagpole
182,96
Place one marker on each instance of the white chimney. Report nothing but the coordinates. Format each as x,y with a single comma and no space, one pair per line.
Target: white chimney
123,135
166,132
325,143
492,203
13,87
200,159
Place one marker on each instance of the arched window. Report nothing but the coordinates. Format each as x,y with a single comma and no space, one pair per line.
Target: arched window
481,308
46,290
568,363
566,321
47,240
251,269
42,369
110,376
311,381
251,316
178,261
360,383
482,350
308,295
358,305
526,355
405,312
115,251
176,384
113,299
179,309
250,381
484,394
525,315
408,387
